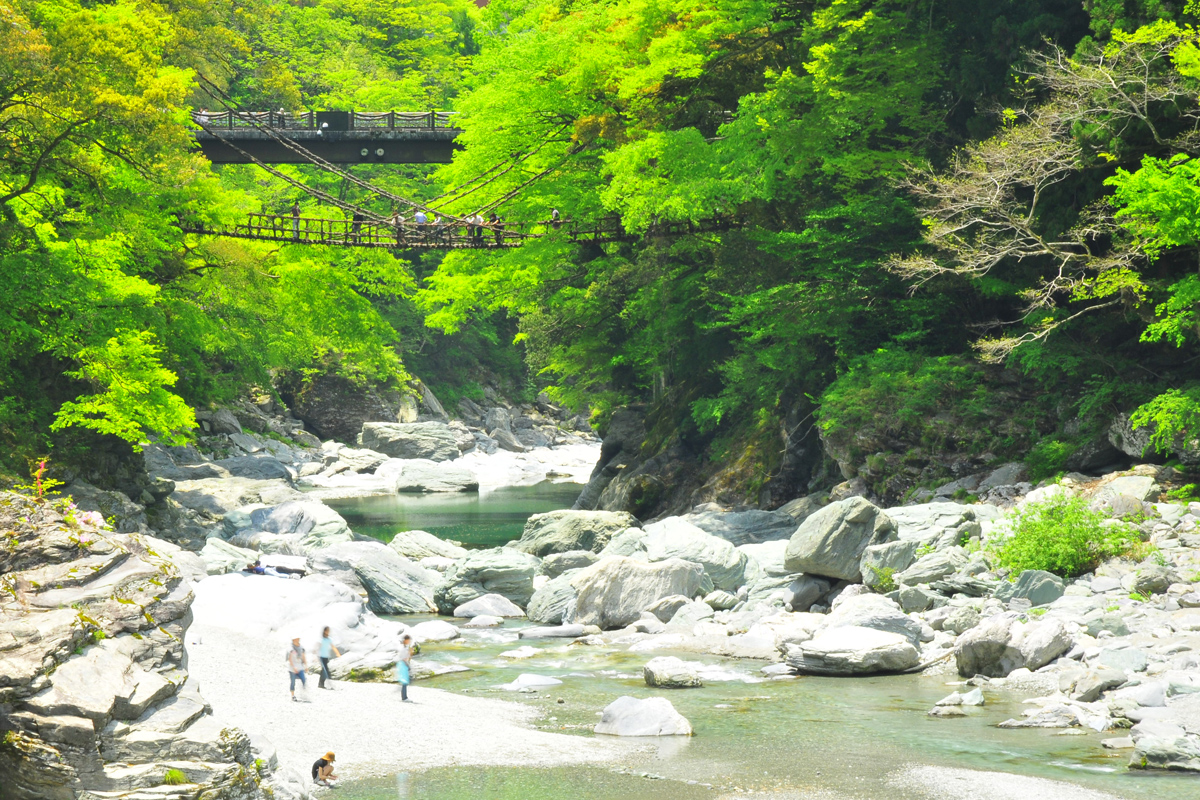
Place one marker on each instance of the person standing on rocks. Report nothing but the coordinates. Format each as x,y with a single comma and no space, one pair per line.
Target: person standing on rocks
326,652
297,662
404,667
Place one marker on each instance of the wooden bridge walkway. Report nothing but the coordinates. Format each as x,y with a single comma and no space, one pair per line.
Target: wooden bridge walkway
288,229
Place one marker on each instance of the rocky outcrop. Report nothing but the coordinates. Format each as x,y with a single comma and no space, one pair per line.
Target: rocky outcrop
420,544
503,571
394,584
429,440
674,538
554,602
1009,641
94,696
614,591
298,526
831,541
335,408
745,527
620,448
563,531
421,475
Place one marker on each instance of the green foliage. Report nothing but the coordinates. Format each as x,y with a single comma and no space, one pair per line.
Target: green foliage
1048,458
174,777
940,402
1062,535
884,579
134,400
1188,493
1173,416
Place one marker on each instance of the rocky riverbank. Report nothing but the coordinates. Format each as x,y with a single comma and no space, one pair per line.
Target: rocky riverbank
828,584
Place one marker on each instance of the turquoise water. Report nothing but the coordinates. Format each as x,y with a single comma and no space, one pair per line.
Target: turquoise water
806,737
476,520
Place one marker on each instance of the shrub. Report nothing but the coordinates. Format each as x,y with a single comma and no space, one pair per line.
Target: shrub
1061,535
1047,458
174,777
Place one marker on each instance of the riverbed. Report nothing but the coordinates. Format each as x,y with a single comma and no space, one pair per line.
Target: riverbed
754,736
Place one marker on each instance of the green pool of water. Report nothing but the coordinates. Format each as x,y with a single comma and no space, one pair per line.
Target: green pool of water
482,520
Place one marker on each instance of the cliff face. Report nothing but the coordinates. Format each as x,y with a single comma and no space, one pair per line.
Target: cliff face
94,692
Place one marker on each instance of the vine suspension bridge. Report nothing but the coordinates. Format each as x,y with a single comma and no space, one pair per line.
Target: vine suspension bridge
326,139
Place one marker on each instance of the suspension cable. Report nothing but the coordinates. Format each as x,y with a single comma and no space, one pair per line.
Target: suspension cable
222,97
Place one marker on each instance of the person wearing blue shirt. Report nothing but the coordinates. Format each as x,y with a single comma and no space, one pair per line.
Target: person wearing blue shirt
326,652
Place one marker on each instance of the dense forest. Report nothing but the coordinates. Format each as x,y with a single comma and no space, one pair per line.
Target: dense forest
967,233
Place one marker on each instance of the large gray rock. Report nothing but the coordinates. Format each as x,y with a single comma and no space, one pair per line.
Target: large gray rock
878,613
654,716
220,421
675,538
745,527
299,526
831,541
421,475
1175,752
1005,642
498,418
557,563
431,440
797,591
221,557
501,570
554,602
350,459
215,497
91,686
491,605
934,566
507,441
1035,585
420,544
1151,578
881,563
939,524
802,508
667,607
394,584
1129,440
852,650
614,591
122,513
668,672
566,530
258,467
769,556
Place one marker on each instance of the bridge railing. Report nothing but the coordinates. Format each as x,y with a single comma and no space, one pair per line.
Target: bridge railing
307,120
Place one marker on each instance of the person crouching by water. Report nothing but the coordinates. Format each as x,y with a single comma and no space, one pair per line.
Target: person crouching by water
297,662
404,667
326,652
322,770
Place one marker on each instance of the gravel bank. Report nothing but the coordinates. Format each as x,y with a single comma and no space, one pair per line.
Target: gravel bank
371,731
947,783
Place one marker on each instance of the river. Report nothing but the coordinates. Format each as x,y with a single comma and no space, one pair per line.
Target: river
782,738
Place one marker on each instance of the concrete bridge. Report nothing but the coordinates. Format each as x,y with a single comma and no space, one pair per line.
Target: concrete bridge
340,137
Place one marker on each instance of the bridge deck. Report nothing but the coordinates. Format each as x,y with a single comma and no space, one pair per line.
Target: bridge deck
340,137
286,229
